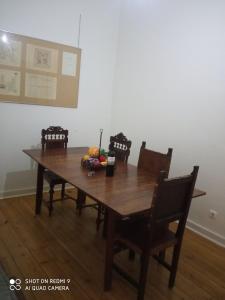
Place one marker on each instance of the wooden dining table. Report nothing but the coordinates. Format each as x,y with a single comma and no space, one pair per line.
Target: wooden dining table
128,193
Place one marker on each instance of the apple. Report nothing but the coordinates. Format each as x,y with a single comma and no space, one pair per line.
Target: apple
102,158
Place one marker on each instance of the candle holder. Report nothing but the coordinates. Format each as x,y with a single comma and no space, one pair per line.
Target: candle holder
100,141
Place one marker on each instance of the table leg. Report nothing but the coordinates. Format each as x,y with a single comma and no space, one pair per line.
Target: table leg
39,189
111,222
81,198
105,224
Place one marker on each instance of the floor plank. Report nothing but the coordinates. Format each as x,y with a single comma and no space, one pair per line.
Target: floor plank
67,246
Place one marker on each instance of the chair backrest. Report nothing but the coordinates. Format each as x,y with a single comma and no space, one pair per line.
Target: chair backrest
54,137
121,146
153,161
171,201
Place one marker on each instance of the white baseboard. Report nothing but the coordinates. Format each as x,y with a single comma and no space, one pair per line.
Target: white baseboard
19,192
25,192
206,233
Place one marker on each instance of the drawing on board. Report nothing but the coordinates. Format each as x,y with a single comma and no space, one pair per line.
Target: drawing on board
69,64
40,86
9,82
10,53
42,58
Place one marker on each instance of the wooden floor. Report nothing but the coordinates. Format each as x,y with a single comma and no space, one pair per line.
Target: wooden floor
67,246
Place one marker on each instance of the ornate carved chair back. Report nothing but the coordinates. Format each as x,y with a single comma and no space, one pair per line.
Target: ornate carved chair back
121,146
153,161
54,137
171,201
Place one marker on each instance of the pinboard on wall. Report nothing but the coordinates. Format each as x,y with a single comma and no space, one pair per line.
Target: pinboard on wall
35,71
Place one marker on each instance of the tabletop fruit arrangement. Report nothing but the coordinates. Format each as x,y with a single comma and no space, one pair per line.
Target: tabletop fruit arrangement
94,160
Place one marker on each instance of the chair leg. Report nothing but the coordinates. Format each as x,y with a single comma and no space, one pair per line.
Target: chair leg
63,190
162,255
143,276
131,255
81,197
175,259
51,193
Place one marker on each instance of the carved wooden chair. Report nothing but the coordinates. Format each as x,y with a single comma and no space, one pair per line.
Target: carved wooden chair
121,146
171,202
51,138
154,162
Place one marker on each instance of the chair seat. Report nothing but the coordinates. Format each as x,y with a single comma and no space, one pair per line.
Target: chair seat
53,178
134,237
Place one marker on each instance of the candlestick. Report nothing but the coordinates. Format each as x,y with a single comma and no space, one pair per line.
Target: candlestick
100,141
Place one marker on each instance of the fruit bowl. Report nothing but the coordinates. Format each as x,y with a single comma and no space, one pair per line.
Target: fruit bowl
93,161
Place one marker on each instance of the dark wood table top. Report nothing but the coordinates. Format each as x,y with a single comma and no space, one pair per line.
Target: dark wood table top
128,192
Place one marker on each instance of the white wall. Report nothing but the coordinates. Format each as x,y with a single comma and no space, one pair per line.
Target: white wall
57,21
170,91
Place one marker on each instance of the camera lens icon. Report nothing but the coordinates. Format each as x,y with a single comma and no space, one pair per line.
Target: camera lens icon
15,284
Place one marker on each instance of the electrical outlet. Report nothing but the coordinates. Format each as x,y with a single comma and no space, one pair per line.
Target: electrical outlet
213,213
